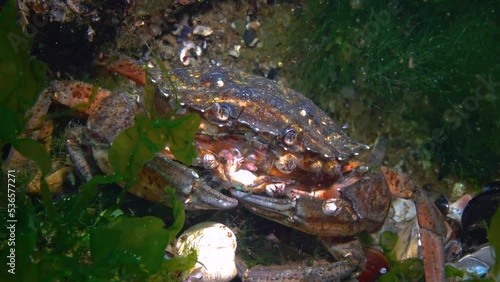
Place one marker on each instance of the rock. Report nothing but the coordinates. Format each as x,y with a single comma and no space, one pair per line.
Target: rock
202,30
250,38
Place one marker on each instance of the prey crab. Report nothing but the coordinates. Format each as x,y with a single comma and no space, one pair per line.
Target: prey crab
276,153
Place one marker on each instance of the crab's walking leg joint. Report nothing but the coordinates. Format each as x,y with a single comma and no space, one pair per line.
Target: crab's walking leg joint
432,225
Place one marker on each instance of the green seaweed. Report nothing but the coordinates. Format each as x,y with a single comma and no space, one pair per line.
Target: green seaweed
84,237
434,63
139,143
22,77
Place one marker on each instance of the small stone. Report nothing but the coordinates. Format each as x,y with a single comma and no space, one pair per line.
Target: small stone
183,31
235,51
239,26
253,25
202,30
458,190
250,38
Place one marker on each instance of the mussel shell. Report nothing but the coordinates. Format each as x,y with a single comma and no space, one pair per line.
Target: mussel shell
442,204
375,266
477,263
478,213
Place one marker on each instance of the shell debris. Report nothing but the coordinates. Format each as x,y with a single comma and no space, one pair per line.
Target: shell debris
215,244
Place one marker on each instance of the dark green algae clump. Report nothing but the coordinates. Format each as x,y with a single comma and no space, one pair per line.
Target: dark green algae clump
425,72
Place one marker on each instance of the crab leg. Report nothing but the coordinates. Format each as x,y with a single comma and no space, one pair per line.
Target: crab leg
69,93
335,271
432,225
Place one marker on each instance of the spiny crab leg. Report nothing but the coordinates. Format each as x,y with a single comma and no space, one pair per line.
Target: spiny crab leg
68,93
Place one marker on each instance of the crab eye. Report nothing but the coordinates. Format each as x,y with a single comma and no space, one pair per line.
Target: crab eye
236,153
221,112
291,137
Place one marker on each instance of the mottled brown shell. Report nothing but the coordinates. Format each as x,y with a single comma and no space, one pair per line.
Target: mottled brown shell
263,106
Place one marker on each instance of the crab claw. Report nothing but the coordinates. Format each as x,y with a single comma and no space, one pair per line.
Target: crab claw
190,189
303,213
344,215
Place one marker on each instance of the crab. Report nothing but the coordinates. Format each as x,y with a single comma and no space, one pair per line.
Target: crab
272,148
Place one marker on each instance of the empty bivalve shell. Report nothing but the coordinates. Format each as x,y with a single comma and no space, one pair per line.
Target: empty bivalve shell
215,244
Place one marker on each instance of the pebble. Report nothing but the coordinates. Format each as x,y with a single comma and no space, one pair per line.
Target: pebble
404,210
250,38
235,51
202,30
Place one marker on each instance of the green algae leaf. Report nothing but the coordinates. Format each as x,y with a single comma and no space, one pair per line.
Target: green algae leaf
180,263
11,125
22,76
388,241
134,244
182,131
453,272
35,151
179,215
407,270
136,145
170,268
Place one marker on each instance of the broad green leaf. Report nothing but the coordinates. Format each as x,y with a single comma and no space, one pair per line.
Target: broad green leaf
182,131
388,241
179,216
453,272
11,125
136,145
35,151
180,263
22,76
132,243
408,270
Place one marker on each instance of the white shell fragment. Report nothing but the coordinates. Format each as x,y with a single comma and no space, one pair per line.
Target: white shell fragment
184,55
404,210
235,51
478,263
202,30
215,244
457,208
